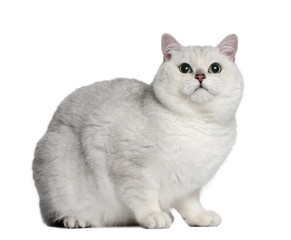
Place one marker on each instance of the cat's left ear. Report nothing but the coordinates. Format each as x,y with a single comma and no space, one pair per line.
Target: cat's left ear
169,44
228,46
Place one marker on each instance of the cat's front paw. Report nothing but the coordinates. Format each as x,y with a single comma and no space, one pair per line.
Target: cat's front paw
204,219
156,220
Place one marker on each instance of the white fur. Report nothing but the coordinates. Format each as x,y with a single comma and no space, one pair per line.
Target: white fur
122,152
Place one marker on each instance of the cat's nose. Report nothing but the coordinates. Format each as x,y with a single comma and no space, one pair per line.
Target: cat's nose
200,77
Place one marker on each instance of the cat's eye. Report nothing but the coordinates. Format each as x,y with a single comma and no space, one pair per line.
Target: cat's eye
185,68
214,68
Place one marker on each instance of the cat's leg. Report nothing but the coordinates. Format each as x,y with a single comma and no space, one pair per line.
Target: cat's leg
144,203
149,214
130,185
62,181
194,214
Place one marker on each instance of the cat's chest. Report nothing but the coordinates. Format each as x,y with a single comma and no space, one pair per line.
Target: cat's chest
190,154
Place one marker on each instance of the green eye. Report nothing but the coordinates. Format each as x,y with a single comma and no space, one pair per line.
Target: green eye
185,68
214,68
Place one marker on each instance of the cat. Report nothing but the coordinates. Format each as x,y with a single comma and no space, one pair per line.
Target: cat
123,152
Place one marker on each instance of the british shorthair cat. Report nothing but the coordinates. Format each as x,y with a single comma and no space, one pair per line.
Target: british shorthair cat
123,152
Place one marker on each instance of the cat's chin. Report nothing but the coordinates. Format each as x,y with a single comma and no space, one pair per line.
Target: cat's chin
201,95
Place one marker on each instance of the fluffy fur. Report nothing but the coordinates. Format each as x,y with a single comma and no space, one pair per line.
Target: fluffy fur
123,152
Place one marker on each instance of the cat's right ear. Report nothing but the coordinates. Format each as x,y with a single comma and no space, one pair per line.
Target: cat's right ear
169,44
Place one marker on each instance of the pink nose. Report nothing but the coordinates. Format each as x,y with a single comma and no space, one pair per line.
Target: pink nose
200,77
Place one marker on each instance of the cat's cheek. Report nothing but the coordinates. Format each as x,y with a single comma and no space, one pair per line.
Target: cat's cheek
188,88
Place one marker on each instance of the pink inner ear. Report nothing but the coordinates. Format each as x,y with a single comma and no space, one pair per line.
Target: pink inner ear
228,46
168,44
165,50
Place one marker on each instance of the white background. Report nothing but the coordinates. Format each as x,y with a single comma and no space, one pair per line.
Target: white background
50,48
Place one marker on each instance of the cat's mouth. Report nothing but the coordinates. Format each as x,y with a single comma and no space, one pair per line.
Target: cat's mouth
203,90
201,87
202,94
198,92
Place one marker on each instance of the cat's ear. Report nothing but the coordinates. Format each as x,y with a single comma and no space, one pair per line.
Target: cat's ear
169,44
228,46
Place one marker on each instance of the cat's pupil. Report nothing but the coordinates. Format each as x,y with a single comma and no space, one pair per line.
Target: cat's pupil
215,68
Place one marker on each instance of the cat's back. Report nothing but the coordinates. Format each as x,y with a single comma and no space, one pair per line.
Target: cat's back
100,97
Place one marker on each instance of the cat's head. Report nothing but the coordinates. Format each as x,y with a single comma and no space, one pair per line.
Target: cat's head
198,78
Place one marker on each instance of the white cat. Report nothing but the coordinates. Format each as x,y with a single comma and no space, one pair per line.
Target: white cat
122,152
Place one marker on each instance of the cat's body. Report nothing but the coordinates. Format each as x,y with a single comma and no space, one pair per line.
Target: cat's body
120,152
